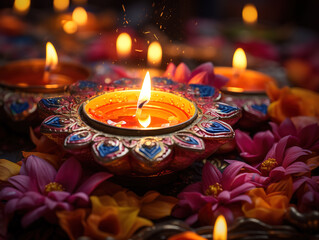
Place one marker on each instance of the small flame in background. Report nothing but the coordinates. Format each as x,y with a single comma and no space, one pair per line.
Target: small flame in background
80,16
21,6
220,228
250,14
144,98
123,45
51,60
61,5
154,54
239,60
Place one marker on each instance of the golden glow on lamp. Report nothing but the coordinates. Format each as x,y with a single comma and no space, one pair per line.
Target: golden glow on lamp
154,54
80,16
250,14
21,6
123,45
61,5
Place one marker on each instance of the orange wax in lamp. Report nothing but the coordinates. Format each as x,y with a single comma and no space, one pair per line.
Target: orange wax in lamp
141,110
39,75
241,79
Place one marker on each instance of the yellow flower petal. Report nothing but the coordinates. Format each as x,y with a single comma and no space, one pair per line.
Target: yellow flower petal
8,169
284,187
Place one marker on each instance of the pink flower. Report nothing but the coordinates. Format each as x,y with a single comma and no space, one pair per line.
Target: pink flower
203,74
307,193
307,136
219,190
253,150
281,160
40,190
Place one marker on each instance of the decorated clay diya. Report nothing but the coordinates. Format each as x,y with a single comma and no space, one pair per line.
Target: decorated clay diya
23,83
242,80
187,124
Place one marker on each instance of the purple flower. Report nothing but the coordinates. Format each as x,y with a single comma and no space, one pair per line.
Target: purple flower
219,189
307,136
307,193
40,190
203,74
281,160
253,151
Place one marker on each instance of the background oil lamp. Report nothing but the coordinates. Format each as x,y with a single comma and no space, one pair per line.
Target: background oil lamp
133,134
246,89
25,82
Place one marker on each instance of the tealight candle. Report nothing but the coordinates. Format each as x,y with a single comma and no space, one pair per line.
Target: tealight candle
241,79
39,75
140,112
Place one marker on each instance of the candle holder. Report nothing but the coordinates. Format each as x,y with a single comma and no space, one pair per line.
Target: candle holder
153,151
22,85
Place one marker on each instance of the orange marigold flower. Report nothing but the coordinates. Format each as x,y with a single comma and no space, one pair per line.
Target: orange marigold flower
290,102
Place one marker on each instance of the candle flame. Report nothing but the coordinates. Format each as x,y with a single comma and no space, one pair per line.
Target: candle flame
144,98
145,122
70,27
123,45
21,6
154,54
220,228
239,60
51,57
80,16
61,5
250,14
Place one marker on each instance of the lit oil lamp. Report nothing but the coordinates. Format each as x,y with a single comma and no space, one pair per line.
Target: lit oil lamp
37,75
132,111
23,83
140,133
241,79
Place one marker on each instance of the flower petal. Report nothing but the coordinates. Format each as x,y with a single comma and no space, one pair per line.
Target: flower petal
92,182
297,167
210,176
224,196
8,169
292,154
207,67
72,222
243,141
69,174
58,196
11,206
200,78
277,173
79,199
241,189
195,200
22,183
182,73
40,171
243,197
33,215
170,71
10,193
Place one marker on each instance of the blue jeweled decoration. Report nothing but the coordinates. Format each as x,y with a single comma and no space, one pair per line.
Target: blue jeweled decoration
17,108
163,81
105,150
54,122
260,107
226,108
150,152
87,84
216,127
77,137
188,139
204,90
51,102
